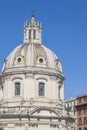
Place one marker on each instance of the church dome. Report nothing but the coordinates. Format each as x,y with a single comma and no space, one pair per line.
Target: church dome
32,53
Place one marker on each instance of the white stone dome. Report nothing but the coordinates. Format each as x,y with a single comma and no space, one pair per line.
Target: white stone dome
32,55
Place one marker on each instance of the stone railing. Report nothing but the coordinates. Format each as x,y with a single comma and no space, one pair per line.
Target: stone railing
14,110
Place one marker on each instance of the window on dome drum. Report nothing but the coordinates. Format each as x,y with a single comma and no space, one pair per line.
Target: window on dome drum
34,34
30,34
41,88
17,89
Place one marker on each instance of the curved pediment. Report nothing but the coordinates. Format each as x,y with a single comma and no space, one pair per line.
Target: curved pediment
45,111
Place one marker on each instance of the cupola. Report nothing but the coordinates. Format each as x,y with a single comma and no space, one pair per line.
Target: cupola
32,31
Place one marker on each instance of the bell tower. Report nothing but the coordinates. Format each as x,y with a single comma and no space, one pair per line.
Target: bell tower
32,31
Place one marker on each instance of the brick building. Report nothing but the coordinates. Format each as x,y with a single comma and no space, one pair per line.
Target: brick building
81,112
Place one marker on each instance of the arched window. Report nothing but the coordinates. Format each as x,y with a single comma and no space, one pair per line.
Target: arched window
80,121
59,87
34,34
30,34
41,89
17,89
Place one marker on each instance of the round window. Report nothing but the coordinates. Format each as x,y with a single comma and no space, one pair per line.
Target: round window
19,60
41,60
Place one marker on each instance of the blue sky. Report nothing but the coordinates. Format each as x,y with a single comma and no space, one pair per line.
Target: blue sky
64,25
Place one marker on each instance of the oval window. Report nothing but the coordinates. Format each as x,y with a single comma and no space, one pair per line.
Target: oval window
19,60
41,60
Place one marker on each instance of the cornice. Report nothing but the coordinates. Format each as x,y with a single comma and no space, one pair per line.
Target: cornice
33,70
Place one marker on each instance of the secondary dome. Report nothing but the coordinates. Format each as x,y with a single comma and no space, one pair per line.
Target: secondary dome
32,52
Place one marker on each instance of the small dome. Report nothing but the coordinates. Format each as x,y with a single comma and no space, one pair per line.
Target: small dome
31,54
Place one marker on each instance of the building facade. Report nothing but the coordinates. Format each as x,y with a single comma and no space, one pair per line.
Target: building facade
81,112
70,106
32,87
